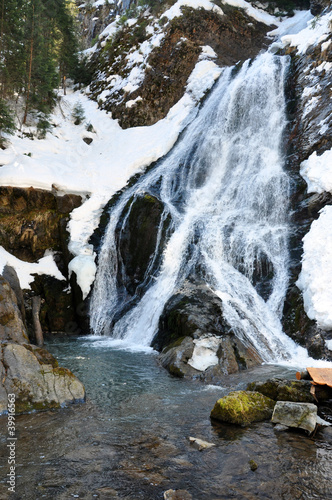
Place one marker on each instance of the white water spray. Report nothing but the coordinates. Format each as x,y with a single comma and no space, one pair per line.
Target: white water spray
227,194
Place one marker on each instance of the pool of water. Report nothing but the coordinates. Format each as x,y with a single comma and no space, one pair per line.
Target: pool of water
131,438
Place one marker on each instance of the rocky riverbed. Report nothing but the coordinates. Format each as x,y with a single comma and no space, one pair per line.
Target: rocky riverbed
131,439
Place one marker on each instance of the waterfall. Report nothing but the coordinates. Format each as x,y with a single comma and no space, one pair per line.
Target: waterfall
224,188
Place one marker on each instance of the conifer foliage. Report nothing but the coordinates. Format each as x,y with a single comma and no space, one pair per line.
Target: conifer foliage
38,50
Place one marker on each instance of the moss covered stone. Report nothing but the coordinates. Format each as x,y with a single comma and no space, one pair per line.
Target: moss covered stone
284,390
243,407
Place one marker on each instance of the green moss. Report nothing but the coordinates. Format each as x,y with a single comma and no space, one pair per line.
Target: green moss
175,371
6,318
63,372
243,407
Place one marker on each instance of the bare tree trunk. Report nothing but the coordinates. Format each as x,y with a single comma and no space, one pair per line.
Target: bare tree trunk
36,304
30,67
64,84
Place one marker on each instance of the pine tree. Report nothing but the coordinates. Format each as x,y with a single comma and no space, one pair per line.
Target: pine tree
7,124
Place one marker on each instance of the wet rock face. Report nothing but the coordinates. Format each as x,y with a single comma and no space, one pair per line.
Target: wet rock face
196,341
137,238
234,37
310,130
33,220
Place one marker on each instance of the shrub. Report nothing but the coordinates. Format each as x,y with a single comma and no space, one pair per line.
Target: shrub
78,114
7,124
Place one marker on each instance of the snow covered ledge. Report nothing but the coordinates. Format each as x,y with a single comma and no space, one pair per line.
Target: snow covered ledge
316,275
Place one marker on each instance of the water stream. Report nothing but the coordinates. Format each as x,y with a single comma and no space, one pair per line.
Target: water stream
226,191
130,439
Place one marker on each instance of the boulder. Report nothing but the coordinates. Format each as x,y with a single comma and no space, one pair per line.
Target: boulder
35,379
243,407
194,338
284,390
29,372
297,415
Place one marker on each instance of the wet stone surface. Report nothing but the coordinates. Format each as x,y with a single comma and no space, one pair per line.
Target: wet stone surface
130,440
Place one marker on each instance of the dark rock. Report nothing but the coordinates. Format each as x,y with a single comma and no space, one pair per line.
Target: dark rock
137,239
87,140
192,327
243,408
284,390
32,221
58,307
316,7
176,356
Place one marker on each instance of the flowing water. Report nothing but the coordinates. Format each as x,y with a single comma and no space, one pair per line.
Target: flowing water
225,189
130,439
226,193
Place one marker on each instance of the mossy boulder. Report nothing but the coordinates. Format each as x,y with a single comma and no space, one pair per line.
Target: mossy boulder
284,390
243,407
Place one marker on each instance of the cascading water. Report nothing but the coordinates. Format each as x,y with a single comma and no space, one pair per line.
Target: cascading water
225,190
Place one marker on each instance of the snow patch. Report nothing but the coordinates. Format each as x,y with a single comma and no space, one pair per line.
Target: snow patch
26,270
317,172
175,10
205,353
316,31
316,275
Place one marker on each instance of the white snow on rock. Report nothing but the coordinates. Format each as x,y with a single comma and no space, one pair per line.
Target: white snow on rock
316,31
25,270
253,12
175,10
316,275
317,172
205,353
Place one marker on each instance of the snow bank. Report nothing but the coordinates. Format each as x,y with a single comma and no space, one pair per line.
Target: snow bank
317,172
316,31
253,12
316,275
25,270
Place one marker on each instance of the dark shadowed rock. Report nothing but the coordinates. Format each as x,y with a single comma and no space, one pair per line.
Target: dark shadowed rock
284,390
196,341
